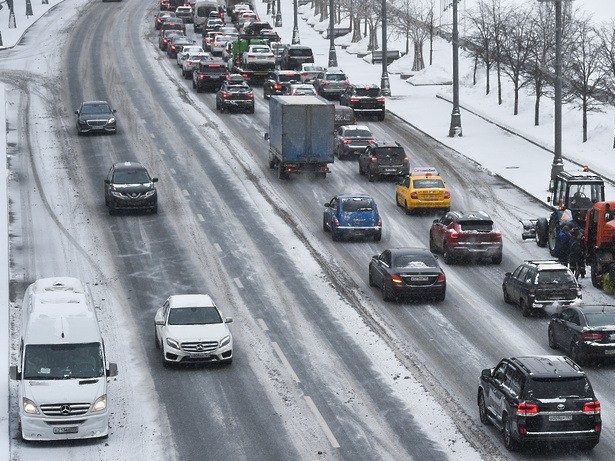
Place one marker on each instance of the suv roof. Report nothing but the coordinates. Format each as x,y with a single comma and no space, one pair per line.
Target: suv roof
379,144
471,216
548,366
545,264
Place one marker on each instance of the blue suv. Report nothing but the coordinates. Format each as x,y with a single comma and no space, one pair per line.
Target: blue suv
354,215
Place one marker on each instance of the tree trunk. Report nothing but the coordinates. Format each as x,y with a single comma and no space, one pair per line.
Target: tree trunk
487,77
475,69
373,38
365,28
499,73
407,41
538,84
584,118
431,41
324,11
419,63
516,85
317,7
356,30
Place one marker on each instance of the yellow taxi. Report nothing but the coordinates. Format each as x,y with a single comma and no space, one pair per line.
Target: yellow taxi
423,189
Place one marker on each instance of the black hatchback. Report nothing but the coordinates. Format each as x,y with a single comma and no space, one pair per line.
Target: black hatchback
128,186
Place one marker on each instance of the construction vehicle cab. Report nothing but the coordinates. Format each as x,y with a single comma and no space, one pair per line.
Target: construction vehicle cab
600,242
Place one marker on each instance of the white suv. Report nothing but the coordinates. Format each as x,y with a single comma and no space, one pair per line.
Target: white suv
190,328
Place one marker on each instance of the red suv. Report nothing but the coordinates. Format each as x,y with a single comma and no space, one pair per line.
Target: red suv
466,235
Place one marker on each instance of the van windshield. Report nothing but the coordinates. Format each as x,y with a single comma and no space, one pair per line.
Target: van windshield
63,361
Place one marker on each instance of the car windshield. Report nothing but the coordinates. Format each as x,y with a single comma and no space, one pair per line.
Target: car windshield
300,52
357,134
95,109
548,388
194,316
290,77
371,92
599,319
479,226
414,261
428,183
357,204
130,177
554,277
63,361
335,77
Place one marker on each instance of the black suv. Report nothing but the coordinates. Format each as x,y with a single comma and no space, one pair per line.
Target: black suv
537,284
294,56
279,81
95,117
364,99
236,97
209,74
129,187
540,399
383,159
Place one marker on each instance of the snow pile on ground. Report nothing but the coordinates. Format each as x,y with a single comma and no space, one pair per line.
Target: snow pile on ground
402,65
431,75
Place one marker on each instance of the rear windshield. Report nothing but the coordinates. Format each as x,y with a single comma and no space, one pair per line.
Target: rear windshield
238,89
548,388
204,10
394,152
300,52
357,134
480,226
371,92
555,277
357,204
260,49
214,69
290,77
173,26
428,184
415,261
335,77
598,319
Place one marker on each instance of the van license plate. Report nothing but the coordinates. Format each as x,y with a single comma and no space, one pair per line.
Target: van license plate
560,418
66,430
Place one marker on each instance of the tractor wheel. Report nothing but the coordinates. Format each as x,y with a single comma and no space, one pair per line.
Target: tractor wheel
542,231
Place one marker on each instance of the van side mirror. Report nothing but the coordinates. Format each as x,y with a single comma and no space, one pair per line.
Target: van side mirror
266,136
112,370
486,373
13,373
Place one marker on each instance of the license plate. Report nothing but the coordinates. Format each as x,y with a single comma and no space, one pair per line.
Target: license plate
200,355
390,170
419,278
609,352
560,418
66,430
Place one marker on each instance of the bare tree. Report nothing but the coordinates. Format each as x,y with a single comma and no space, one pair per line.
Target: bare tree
481,26
516,48
411,17
585,70
607,48
498,24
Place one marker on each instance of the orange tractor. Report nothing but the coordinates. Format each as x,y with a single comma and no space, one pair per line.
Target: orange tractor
600,242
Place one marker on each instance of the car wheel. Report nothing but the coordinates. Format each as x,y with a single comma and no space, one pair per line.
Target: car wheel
371,278
371,176
112,211
335,236
378,236
324,224
381,116
441,297
156,339
496,259
360,169
507,298
193,84
525,309
341,156
509,442
406,209
575,353
387,294
432,244
154,209
251,110
448,257
199,89
552,342
482,410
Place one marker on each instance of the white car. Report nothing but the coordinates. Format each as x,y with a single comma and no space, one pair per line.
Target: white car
191,328
191,62
186,51
309,71
219,43
258,56
302,89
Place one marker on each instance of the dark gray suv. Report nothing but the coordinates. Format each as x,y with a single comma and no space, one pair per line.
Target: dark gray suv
382,159
128,186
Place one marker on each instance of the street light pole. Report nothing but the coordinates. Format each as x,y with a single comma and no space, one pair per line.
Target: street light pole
332,54
278,17
385,85
455,128
269,2
295,40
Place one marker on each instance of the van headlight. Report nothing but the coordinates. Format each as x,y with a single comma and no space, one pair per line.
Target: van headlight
172,343
30,407
225,341
100,404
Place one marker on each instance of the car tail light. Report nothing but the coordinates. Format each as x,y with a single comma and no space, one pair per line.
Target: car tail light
591,408
201,77
380,223
347,141
380,99
406,159
336,221
346,82
374,159
396,279
277,86
245,75
414,195
524,409
522,431
251,95
225,94
251,56
590,336
453,234
497,236
324,169
354,99
325,83
442,278
447,194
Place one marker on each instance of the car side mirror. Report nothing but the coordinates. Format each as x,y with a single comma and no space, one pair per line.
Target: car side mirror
76,112
266,136
154,179
375,257
114,111
228,320
107,181
548,199
486,373
14,373
508,274
436,221
327,205
112,370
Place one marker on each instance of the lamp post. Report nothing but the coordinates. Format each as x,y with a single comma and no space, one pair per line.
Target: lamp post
455,128
278,16
332,54
385,85
269,2
273,8
295,40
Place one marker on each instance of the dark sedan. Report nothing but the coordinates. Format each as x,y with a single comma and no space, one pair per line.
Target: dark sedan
176,44
408,273
584,332
165,38
95,117
352,140
278,82
128,186
236,97
161,17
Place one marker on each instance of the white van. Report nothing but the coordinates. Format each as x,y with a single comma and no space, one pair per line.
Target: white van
202,8
62,369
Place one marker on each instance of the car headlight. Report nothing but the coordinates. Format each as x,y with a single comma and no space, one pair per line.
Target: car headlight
149,193
100,404
116,194
225,341
30,407
111,120
172,343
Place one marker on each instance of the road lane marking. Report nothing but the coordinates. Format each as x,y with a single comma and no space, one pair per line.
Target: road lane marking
161,151
285,361
186,193
200,216
262,324
172,170
322,422
218,248
238,283
152,135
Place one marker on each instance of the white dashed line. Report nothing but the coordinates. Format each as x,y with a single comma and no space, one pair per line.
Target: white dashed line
322,422
285,361
186,193
200,216
262,324
172,170
218,248
152,135
238,283
161,151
